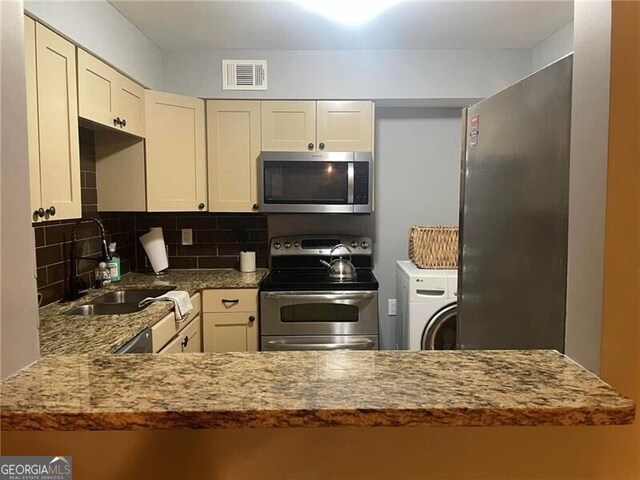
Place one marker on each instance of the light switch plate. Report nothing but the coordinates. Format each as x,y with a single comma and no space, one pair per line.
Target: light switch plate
392,307
187,236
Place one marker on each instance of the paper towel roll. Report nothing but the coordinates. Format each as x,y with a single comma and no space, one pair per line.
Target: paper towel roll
153,244
247,261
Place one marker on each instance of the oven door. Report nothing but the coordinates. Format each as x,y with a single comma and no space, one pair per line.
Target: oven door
319,313
319,343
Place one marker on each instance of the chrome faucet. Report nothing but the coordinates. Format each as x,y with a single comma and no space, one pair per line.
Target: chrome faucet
73,292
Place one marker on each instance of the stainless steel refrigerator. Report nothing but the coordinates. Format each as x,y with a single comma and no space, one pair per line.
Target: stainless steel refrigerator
514,213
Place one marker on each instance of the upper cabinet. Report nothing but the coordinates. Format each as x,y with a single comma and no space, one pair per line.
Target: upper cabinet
288,126
309,126
176,157
109,98
344,126
233,143
52,115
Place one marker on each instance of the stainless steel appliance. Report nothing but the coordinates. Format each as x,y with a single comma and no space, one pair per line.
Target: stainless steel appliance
320,182
302,308
141,343
513,217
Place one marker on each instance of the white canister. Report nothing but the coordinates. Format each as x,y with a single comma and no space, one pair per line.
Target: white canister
247,261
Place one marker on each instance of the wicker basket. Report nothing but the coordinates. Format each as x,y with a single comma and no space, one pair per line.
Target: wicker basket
433,247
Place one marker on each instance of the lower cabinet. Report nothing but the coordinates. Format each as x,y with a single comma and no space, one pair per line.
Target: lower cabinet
230,320
189,340
170,336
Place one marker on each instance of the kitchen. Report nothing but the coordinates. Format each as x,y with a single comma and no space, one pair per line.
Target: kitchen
395,115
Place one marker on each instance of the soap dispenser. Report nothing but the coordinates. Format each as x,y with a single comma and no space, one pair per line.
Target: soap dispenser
114,263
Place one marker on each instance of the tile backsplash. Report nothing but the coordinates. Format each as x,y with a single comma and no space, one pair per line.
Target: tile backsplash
217,238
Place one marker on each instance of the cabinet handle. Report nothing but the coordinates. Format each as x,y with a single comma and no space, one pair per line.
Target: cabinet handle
51,211
39,212
235,301
255,206
117,121
185,342
252,319
310,146
123,123
321,146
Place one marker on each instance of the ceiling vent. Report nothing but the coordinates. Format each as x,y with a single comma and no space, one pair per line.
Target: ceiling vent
244,74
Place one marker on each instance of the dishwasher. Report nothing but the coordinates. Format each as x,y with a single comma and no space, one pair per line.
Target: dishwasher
141,343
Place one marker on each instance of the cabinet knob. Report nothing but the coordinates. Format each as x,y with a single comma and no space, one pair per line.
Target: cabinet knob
201,206
39,212
117,121
252,319
51,211
185,342
123,123
310,146
321,146
255,206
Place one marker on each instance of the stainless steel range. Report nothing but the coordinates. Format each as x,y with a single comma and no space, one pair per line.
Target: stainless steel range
302,307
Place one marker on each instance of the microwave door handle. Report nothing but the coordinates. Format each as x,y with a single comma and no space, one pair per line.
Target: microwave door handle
273,345
319,296
350,183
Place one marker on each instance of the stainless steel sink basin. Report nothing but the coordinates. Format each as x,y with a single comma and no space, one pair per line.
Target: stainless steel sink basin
130,296
118,302
104,309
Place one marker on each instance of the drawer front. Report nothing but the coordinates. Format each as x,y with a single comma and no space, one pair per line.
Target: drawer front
230,301
166,329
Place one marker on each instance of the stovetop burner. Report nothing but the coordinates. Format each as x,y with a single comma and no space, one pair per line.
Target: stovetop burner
295,263
315,280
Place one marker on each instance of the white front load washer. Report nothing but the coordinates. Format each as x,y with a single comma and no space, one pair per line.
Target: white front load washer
426,308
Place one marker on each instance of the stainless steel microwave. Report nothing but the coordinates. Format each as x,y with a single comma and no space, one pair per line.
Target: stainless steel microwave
315,182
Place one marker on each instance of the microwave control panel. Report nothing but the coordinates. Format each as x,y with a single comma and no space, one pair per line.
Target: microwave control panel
361,183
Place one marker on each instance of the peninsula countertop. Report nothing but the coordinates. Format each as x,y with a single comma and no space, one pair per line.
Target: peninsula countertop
309,389
62,334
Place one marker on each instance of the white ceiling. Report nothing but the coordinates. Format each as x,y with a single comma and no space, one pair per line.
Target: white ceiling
201,25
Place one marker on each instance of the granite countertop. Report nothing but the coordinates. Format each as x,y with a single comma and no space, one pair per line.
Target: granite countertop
308,389
62,334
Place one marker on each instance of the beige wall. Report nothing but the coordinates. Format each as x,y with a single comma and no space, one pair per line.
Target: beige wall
589,453
19,336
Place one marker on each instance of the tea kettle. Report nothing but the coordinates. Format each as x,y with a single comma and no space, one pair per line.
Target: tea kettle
340,269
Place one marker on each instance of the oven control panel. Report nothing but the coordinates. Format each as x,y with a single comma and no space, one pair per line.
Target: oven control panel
320,245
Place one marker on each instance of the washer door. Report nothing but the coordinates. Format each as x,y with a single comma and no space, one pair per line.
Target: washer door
440,332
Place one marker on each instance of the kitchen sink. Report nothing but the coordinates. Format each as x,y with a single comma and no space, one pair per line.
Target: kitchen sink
118,302
130,296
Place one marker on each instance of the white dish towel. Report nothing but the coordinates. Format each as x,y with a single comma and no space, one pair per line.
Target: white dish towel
181,302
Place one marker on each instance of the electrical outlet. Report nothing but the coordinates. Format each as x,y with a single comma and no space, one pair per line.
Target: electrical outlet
392,307
187,236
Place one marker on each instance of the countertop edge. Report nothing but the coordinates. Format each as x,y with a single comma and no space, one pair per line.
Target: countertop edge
368,418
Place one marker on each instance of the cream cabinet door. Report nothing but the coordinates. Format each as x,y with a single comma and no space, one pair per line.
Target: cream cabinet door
345,126
97,85
192,337
230,332
288,126
129,101
174,346
57,117
107,97
176,153
32,114
233,144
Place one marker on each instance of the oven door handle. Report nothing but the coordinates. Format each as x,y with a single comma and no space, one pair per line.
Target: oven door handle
274,345
320,296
